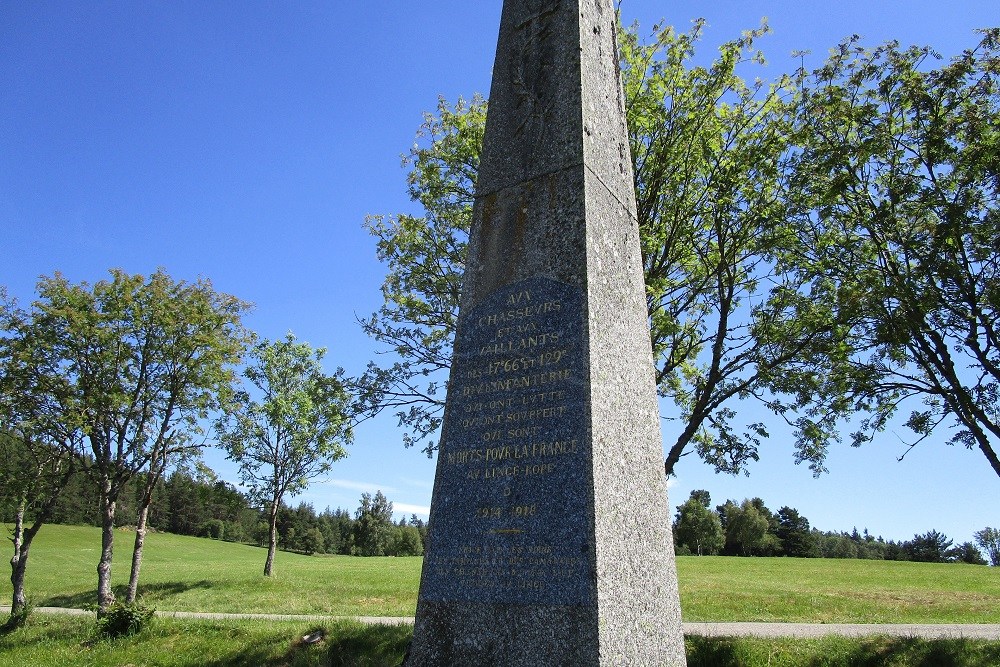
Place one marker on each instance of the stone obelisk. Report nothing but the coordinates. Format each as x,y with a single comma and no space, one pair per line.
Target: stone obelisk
550,538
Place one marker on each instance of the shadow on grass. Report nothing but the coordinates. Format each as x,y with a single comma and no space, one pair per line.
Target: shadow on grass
342,645
149,594
713,652
912,652
840,652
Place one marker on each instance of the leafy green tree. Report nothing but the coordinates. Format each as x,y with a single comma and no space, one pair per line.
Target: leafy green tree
896,184
426,259
373,527
989,539
746,529
795,534
40,440
31,479
967,553
290,431
725,315
931,547
839,546
138,363
697,527
406,542
422,530
312,541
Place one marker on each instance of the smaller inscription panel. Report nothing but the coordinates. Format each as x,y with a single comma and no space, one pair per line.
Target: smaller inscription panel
511,493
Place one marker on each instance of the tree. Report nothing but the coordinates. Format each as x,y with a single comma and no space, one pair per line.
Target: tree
725,315
143,361
746,529
373,528
968,553
31,479
697,527
796,537
406,541
931,547
40,440
292,432
897,182
989,539
426,260
422,530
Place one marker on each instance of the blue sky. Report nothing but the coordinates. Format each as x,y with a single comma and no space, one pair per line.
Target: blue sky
246,142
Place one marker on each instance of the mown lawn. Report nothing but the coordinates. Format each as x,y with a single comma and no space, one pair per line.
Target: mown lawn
814,590
193,574
181,573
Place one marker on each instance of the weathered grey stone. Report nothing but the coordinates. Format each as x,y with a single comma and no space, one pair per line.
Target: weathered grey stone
550,533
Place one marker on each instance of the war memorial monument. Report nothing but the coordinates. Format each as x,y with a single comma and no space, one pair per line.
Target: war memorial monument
550,537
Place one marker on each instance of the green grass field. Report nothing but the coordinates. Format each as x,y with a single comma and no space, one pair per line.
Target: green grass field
193,574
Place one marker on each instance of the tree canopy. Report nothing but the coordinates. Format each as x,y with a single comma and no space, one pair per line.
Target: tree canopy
896,190
135,363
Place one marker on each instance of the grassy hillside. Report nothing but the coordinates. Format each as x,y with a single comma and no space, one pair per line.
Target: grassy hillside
194,574
181,573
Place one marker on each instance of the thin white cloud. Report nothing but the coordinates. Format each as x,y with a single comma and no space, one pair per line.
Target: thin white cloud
365,487
407,509
418,483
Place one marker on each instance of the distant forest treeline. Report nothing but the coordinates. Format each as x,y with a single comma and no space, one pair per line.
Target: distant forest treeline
751,529
195,502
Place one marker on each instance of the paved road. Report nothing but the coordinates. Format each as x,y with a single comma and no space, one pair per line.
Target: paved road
766,630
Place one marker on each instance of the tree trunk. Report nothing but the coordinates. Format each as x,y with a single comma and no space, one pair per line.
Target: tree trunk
140,529
272,540
23,537
140,539
18,562
105,596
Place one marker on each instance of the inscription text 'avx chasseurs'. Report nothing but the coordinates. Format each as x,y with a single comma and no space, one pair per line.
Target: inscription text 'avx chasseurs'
513,455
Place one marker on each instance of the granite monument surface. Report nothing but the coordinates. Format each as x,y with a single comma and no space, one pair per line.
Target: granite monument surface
550,537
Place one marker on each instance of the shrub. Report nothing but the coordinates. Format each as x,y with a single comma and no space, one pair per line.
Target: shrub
123,618
213,528
20,618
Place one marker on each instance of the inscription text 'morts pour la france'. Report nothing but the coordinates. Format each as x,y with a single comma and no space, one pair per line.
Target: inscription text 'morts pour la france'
511,526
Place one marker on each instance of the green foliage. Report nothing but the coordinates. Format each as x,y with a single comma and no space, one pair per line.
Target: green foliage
794,533
426,258
931,547
373,528
19,617
967,553
896,186
406,541
725,315
122,619
989,539
131,365
296,429
824,243
698,528
213,528
746,529
291,434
